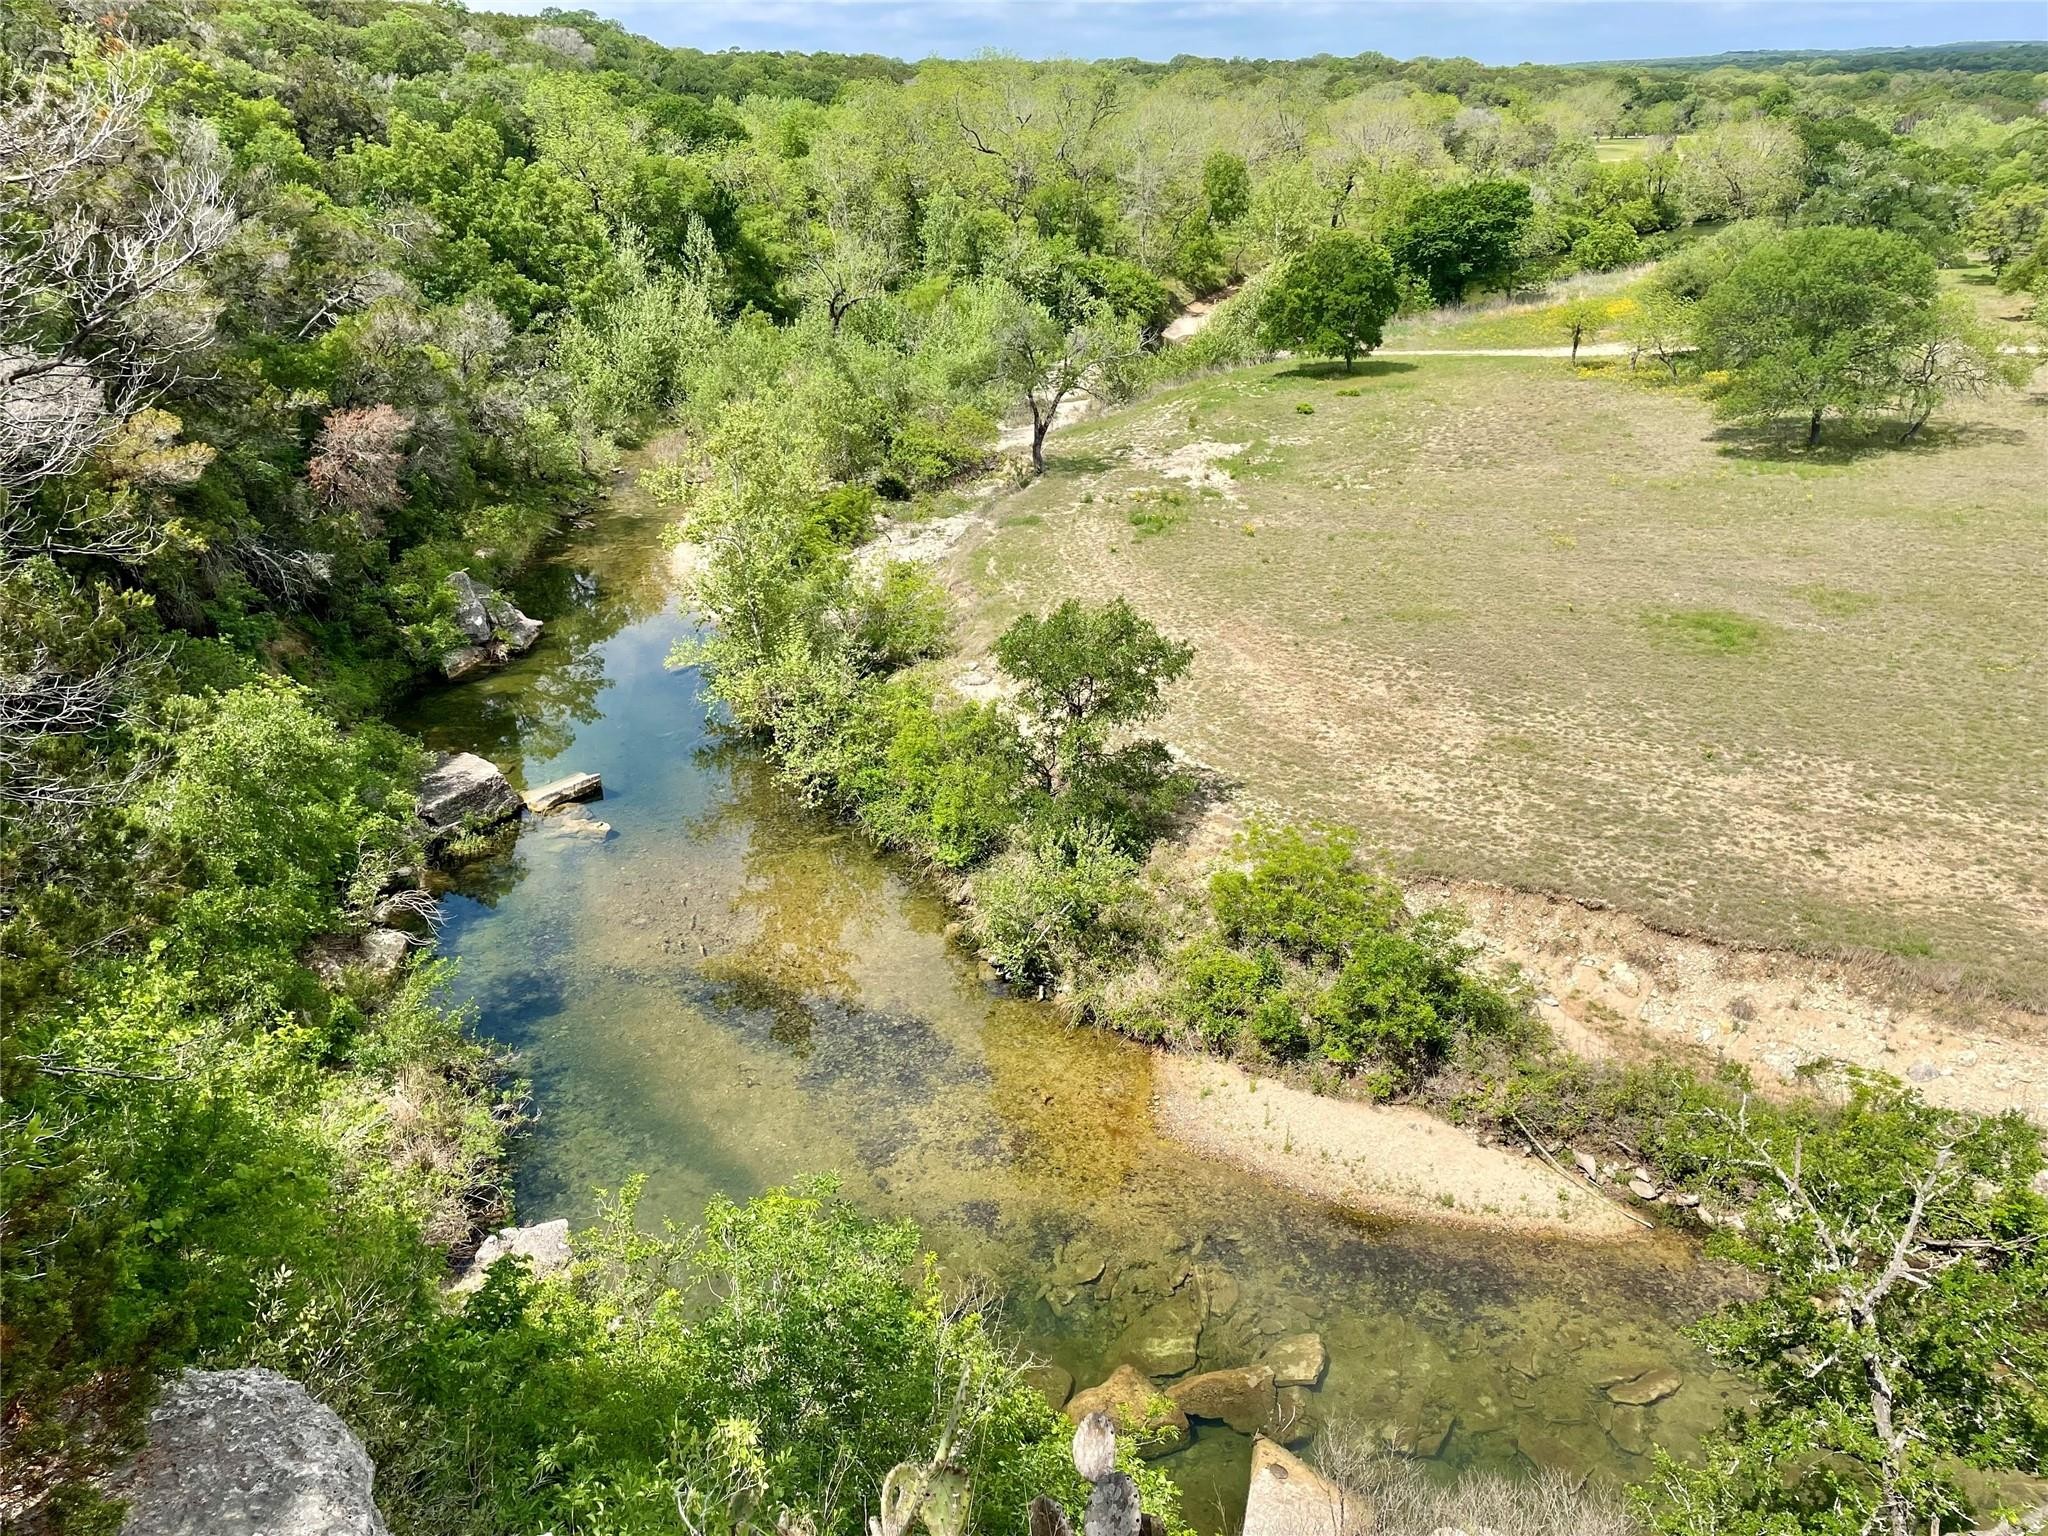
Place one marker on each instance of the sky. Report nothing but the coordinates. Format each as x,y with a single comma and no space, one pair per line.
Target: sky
1491,31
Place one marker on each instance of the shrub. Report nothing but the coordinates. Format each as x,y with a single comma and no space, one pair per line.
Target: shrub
1302,894
950,784
1404,997
899,617
1217,990
1608,244
1049,901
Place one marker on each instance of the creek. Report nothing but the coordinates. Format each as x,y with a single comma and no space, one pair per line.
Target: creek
732,991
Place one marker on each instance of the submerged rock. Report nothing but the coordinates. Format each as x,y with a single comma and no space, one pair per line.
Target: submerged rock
1653,1386
1294,1418
1077,1265
1154,1421
1288,1497
545,1246
1243,1398
1163,1340
463,790
1219,1291
578,823
1552,1453
247,1453
1298,1360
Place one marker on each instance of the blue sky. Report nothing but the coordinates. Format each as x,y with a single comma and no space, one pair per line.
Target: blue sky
1494,32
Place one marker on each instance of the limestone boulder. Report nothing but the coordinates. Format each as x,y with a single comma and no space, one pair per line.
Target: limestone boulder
563,791
1154,1421
465,659
472,608
1243,1398
1288,1497
1298,1360
545,1246
463,790
511,628
379,954
247,1453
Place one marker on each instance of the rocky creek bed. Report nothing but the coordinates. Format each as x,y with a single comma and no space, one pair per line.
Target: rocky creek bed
728,992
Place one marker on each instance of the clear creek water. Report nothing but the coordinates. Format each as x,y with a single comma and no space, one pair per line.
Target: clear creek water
731,991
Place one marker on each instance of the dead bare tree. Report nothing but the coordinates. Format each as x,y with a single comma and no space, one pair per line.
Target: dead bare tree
102,237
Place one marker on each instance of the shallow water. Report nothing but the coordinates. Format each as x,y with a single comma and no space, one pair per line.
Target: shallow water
731,991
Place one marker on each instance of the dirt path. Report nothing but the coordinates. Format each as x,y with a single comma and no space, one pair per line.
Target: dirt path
1378,1158
1586,349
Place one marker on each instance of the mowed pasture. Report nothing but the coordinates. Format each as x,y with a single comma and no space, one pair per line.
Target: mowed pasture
1559,629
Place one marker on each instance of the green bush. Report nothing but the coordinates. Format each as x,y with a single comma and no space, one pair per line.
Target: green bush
1313,955
1304,895
951,782
900,616
1052,900
1217,990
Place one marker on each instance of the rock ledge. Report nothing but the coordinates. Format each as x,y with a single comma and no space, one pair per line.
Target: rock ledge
248,1453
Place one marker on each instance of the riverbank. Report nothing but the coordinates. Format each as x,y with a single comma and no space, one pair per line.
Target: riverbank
732,990
1380,1159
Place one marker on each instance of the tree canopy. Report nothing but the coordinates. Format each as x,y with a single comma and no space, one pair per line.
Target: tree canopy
1334,299
1817,322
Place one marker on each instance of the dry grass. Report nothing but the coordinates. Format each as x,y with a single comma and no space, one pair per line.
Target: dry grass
1532,321
1405,1501
1557,630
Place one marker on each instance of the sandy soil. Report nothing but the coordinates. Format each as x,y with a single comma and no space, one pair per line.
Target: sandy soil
1387,1160
1610,985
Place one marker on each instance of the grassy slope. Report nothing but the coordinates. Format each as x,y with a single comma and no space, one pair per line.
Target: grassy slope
1562,631
1538,322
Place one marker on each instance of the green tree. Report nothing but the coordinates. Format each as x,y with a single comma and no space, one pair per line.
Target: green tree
1226,188
1083,672
1334,299
1957,355
1610,243
1464,236
1047,362
1901,1336
1579,318
1817,322
2007,229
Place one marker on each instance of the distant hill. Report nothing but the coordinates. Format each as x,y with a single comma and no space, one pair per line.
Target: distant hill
2029,57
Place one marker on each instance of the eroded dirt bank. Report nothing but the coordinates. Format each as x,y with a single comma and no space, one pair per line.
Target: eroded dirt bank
1609,984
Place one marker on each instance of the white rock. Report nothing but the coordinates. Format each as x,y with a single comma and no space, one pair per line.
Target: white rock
247,1453
514,629
1288,1497
472,613
463,789
560,792
545,1246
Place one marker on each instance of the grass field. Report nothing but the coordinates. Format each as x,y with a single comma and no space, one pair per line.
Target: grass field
1537,322
1562,631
